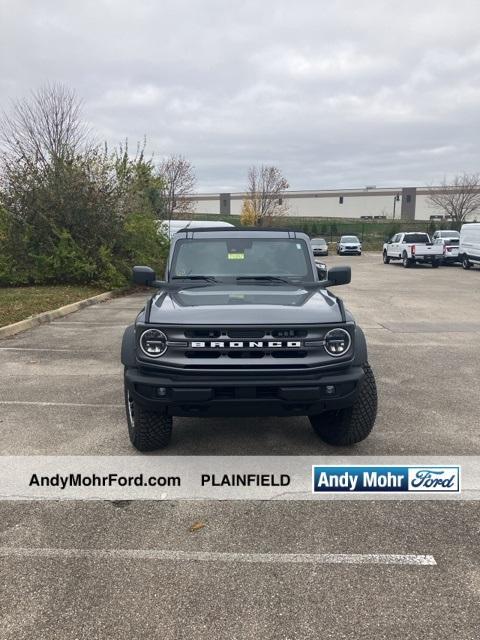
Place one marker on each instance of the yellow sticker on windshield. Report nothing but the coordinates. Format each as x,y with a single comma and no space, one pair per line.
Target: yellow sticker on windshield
236,256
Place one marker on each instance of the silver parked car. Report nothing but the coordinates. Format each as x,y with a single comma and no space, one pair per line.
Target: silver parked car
349,245
319,246
446,234
450,249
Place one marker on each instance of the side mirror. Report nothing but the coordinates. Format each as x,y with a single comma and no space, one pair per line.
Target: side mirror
144,276
339,275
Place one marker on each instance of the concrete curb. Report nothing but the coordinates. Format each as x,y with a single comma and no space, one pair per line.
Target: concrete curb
48,316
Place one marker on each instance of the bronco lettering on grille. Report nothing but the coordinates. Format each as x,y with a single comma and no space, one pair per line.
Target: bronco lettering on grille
253,344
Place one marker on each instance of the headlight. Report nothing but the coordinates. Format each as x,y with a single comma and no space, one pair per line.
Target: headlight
153,343
337,342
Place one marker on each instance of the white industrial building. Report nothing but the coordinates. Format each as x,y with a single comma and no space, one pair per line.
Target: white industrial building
405,203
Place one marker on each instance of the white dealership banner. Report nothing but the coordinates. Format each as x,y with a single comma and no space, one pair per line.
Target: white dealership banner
164,477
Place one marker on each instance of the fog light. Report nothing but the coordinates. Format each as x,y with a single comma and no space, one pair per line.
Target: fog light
330,389
161,392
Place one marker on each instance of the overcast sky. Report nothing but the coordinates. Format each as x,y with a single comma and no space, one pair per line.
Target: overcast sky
337,94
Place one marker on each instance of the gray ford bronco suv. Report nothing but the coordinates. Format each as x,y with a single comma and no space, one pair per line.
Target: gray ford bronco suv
244,324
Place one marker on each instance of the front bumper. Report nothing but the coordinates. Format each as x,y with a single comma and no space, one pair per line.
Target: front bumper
248,396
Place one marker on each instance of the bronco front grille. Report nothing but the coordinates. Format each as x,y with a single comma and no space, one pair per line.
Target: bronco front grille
239,343
255,347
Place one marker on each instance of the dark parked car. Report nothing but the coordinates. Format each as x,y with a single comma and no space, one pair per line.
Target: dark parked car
319,246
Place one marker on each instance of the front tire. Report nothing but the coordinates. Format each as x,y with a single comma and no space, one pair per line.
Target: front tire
348,426
386,259
148,430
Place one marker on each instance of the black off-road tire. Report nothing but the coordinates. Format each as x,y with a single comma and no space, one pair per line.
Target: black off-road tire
148,430
386,259
348,426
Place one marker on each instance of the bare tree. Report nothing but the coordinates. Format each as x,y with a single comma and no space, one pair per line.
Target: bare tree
458,198
43,143
179,180
43,129
266,187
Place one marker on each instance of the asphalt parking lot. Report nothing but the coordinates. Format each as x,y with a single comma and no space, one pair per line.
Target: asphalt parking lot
61,393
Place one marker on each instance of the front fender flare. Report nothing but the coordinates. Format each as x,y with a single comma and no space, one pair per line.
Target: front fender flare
361,353
128,353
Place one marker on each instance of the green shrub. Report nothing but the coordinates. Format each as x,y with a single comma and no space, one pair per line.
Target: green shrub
140,244
87,221
67,263
23,260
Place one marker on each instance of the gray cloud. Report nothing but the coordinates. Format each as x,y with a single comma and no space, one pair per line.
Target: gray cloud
338,94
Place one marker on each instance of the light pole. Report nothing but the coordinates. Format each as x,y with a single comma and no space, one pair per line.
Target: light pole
396,198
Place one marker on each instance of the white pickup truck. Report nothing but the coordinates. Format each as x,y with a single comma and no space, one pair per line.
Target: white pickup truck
411,248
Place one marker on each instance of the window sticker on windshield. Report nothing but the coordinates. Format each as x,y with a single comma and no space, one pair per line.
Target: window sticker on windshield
298,246
236,256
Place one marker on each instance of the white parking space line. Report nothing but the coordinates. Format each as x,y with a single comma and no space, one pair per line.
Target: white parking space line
214,556
35,349
58,404
88,324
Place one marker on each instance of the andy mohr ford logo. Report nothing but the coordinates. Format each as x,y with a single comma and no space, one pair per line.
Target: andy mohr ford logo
385,478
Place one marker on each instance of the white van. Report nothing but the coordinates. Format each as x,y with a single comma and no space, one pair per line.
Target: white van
469,249
171,227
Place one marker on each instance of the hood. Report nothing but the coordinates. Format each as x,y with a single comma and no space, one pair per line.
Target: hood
239,305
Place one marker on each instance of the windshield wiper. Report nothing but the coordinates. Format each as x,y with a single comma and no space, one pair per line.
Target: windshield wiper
205,278
264,279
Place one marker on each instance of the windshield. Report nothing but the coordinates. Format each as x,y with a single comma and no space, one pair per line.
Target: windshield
417,238
349,239
318,242
231,258
449,234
